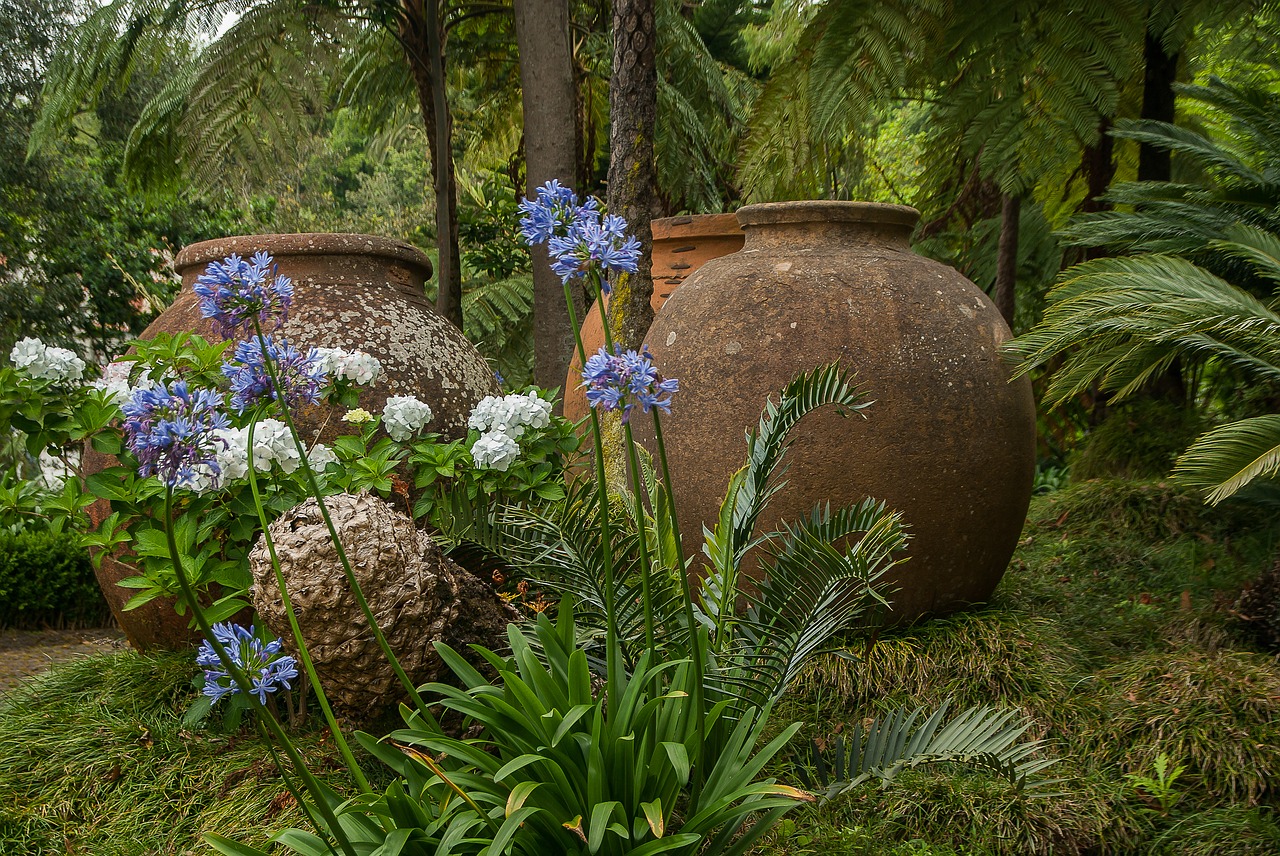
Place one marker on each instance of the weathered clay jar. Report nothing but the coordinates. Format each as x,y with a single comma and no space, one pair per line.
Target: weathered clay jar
357,292
681,245
949,441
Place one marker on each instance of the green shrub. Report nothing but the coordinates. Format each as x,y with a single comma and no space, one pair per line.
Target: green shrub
47,579
1138,439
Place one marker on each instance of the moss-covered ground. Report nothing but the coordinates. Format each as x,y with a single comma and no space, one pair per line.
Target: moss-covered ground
1113,632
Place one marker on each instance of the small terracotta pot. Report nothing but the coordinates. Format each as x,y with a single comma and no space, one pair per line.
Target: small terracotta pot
681,245
357,292
949,440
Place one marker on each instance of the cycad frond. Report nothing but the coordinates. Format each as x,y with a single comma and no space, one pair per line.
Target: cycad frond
1128,317
979,737
751,488
1222,461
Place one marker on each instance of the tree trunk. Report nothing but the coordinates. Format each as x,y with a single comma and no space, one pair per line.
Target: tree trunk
422,38
1158,102
549,94
633,107
1004,293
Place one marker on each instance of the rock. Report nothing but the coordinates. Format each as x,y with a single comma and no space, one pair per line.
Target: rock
417,595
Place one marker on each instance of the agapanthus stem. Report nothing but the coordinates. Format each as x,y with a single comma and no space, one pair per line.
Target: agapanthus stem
304,655
694,630
246,686
314,488
613,652
642,530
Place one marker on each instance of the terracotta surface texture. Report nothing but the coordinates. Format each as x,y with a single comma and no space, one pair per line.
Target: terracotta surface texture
681,245
949,441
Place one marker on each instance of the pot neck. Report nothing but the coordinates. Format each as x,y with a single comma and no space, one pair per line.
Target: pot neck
814,223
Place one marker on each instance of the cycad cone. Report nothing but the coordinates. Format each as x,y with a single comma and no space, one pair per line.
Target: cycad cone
949,441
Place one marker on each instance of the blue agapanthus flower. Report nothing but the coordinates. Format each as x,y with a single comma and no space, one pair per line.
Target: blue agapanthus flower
234,292
623,379
578,238
171,431
301,375
264,663
552,213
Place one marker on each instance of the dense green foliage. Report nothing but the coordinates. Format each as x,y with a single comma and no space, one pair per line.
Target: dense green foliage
1088,634
47,579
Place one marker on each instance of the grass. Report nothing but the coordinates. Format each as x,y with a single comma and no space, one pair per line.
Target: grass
1112,632
95,761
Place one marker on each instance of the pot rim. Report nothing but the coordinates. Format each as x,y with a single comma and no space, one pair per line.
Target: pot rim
696,226
303,244
822,210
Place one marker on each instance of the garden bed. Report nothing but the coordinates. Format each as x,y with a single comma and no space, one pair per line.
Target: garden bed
1113,632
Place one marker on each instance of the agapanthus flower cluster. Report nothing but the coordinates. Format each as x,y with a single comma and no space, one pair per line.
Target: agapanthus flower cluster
624,379
403,416
173,432
355,366
265,664
300,375
36,359
234,292
116,384
500,421
578,238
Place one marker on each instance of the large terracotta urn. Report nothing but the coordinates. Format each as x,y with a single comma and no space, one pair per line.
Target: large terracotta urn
949,441
681,245
356,292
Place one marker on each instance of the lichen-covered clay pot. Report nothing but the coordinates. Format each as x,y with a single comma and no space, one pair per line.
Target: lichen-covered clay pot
681,245
357,292
949,441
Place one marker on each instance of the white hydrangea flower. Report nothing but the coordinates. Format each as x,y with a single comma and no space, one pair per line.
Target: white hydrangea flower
403,416
495,451
26,352
511,414
273,443
115,382
40,361
355,366
321,456
234,459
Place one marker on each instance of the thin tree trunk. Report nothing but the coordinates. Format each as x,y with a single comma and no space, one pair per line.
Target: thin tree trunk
422,38
633,107
1005,294
549,93
1159,102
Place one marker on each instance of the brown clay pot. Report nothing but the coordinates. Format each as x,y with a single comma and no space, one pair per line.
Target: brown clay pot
681,245
949,440
357,292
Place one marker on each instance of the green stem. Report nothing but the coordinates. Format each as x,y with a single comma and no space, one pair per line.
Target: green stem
304,655
613,652
642,529
246,686
314,487
695,644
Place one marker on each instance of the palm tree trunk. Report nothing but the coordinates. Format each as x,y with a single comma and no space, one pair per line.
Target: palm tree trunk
549,92
422,38
1004,293
1159,102
633,107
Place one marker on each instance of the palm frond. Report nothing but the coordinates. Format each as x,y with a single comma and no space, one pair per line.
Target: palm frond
979,737
1222,461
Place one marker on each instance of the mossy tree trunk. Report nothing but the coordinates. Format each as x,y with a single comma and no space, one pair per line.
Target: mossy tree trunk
633,107
549,92
422,38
